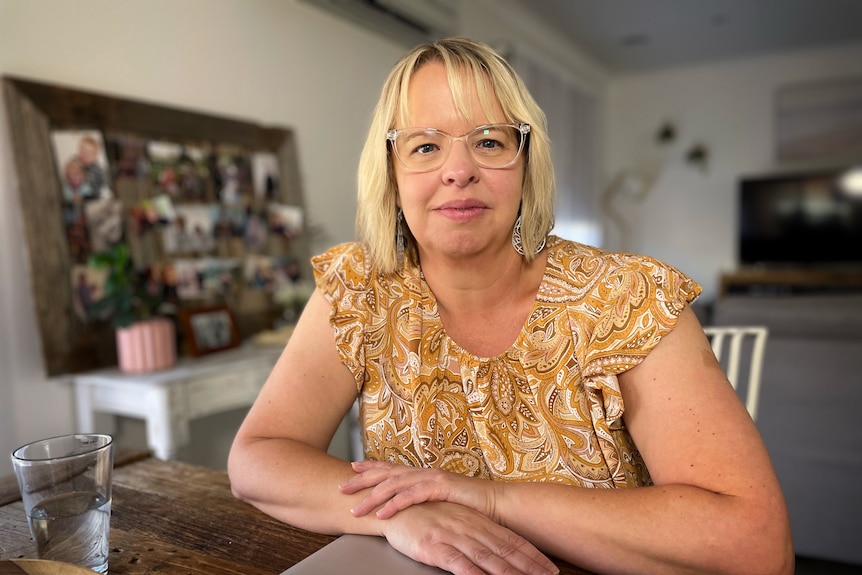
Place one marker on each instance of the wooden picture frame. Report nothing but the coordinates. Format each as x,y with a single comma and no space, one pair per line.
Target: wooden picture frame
70,344
209,329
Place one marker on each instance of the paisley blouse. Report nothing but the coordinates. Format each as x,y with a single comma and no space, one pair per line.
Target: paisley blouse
547,409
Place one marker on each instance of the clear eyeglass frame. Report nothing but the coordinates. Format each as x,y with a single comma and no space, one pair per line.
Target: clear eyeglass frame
522,128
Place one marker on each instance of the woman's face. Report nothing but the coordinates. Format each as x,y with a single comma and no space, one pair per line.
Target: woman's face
460,209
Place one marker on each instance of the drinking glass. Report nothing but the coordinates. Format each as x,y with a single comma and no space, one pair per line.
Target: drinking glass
65,484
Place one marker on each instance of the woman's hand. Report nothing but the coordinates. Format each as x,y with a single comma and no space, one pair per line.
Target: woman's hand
463,541
397,487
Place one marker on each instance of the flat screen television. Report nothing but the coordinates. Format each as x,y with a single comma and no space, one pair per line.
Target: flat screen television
811,219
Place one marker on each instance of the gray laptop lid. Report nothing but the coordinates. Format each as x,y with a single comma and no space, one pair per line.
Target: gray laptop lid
360,555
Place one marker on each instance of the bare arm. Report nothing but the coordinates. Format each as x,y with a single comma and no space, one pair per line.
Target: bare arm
278,461
716,506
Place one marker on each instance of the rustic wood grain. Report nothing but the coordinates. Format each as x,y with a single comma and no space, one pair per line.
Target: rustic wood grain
39,189
173,518
40,567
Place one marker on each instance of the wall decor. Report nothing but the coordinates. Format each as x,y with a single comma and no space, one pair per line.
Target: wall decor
209,329
819,122
201,201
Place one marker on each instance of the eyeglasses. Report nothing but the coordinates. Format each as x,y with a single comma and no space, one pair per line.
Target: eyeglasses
491,146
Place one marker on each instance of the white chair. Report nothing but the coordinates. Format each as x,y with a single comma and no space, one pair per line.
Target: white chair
727,344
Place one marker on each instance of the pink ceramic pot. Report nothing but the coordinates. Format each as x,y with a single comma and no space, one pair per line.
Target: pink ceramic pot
146,346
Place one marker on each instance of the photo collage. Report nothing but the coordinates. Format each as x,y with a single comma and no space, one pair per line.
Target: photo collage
204,221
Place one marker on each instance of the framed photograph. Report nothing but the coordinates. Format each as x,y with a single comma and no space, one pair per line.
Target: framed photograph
209,329
82,165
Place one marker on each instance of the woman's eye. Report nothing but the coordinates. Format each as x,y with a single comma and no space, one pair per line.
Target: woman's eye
425,148
489,144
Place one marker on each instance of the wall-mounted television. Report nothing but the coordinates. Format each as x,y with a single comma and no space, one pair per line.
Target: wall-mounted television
808,219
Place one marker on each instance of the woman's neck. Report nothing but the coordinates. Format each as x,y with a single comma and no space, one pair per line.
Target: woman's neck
483,304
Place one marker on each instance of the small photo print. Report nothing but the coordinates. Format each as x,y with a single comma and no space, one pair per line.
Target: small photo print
192,230
105,223
231,172
164,157
77,233
231,222
87,288
285,220
219,277
187,280
128,155
82,165
152,213
258,272
256,231
264,167
193,174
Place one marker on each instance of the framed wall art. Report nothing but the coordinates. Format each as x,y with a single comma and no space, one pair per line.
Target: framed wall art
209,329
198,199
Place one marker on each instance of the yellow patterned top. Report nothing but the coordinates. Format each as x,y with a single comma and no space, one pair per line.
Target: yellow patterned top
547,409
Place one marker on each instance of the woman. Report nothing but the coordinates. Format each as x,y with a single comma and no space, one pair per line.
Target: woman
519,392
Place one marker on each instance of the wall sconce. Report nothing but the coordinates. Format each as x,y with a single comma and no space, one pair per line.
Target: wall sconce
666,133
698,156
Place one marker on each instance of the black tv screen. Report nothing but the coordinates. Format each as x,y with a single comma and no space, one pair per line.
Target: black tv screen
807,219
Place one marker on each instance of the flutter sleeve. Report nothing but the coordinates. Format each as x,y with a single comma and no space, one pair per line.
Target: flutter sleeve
342,274
639,303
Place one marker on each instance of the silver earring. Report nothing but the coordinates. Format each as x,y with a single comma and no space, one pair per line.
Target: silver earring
399,237
516,239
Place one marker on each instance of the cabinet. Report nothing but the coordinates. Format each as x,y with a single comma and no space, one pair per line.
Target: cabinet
790,280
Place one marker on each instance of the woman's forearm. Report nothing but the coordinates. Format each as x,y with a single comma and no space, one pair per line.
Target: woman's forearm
659,529
298,484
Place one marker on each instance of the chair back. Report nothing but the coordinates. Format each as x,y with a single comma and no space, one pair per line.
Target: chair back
738,346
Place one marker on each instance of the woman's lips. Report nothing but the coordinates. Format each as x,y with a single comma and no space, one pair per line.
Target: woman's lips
462,211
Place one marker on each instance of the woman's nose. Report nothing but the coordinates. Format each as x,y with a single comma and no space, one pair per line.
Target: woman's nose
460,168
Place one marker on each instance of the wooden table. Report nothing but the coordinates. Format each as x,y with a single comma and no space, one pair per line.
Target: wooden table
173,518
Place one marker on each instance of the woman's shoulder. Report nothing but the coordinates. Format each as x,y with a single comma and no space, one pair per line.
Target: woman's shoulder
583,266
349,258
569,254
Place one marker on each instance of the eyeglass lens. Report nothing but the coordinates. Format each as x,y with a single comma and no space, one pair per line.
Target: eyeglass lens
492,146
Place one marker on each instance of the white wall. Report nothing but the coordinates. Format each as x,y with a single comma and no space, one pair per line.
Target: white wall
275,62
689,218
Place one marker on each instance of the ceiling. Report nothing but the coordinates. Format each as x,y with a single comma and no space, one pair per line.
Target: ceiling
647,35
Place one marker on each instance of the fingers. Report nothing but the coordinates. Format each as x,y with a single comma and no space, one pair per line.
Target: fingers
396,501
395,490
464,542
512,554
371,473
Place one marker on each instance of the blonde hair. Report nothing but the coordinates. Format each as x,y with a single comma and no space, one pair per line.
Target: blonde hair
465,61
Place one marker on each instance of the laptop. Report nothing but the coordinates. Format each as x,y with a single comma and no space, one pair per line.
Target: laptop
360,555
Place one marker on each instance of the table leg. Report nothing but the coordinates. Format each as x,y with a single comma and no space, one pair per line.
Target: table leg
84,408
167,423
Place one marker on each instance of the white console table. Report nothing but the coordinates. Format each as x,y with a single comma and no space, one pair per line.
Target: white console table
168,400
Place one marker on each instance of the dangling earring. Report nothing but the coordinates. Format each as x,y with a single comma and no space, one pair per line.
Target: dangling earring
516,239
399,237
